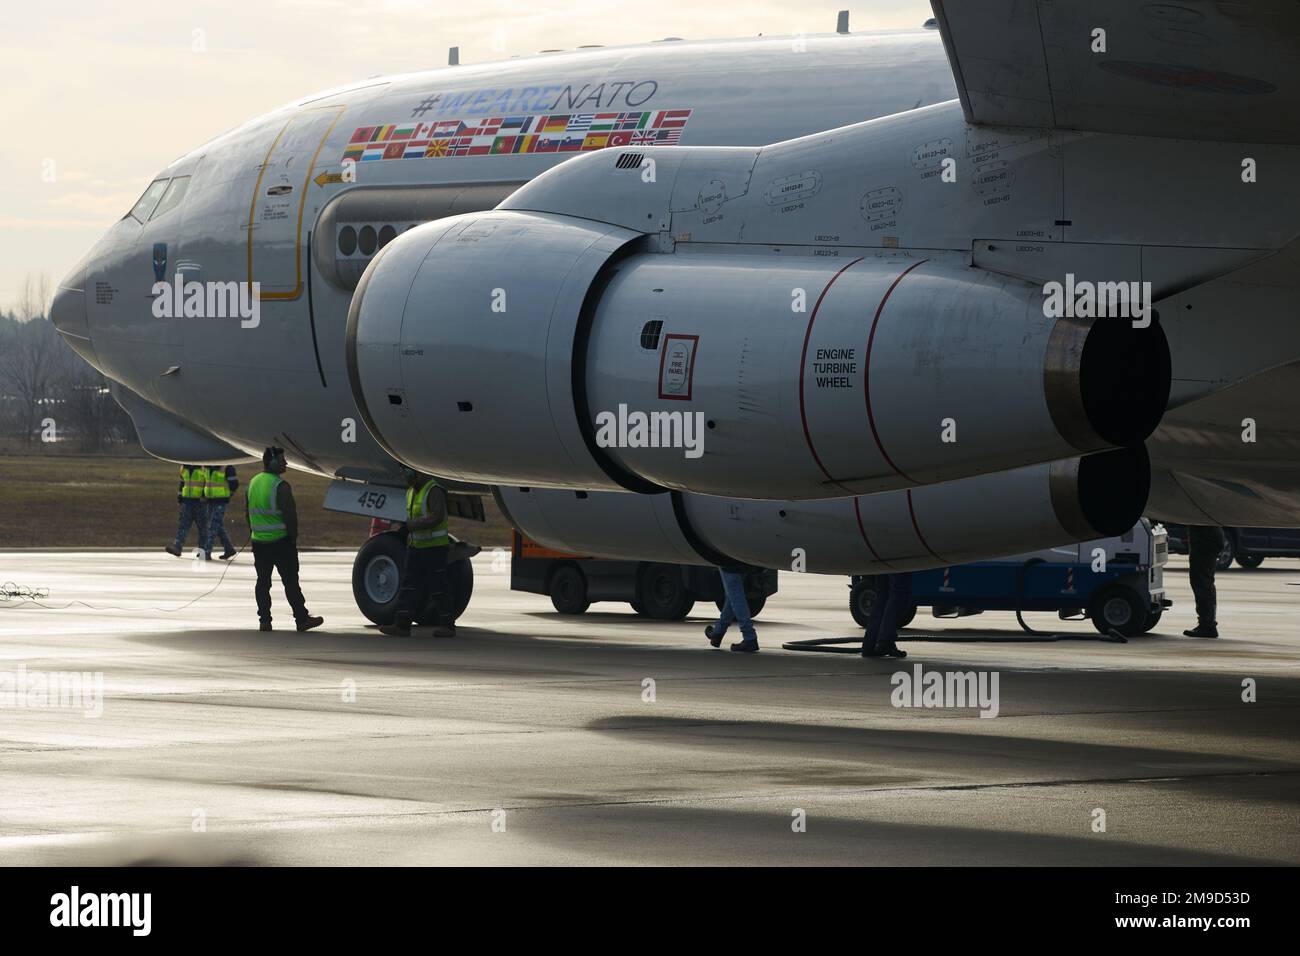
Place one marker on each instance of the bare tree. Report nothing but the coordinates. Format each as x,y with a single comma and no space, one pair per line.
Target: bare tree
30,355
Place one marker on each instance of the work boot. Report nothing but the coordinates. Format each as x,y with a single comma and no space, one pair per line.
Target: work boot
264,626
396,629
307,623
748,646
1203,630
207,555
872,650
890,650
445,630
228,554
173,550
714,635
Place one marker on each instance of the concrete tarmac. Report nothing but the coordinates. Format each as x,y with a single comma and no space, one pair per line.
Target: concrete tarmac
534,738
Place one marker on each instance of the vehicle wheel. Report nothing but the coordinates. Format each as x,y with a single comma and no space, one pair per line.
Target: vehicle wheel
377,576
569,590
1152,619
1227,554
754,596
637,606
460,581
662,593
1250,561
905,618
862,594
1117,607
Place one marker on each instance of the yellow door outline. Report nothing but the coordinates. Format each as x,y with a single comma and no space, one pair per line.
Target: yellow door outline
302,201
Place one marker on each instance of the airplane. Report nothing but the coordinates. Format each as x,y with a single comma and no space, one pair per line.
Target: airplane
901,328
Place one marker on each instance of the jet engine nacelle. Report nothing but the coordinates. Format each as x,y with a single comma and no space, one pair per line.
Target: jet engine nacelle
972,519
531,348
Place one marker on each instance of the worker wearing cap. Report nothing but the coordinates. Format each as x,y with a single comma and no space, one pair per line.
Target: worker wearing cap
273,519
424,577
222,482
194,510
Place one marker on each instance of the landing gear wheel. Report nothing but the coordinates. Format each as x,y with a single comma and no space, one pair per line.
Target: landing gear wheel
662,593
569,590
1152,619
1250,561
460,578
377,576
460,581
1118,607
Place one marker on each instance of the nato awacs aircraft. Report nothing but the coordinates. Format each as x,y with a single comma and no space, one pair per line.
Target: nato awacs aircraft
928,296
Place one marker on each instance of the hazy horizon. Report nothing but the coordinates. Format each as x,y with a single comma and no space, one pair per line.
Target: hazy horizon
107,96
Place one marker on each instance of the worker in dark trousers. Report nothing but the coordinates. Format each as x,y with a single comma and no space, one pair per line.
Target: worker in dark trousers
273,519
893,597
735,610
194,509
1204,543
222,483
424,576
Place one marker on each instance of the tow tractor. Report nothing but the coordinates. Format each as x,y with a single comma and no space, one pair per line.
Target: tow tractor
1117,583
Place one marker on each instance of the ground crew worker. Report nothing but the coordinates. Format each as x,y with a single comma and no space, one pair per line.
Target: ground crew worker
424,577
735,609
1204,543
189,494
221,484
893,595
273,519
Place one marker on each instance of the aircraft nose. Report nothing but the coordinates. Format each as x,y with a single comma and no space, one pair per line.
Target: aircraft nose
68,311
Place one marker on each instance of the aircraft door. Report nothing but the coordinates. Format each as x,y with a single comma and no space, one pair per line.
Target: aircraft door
278,206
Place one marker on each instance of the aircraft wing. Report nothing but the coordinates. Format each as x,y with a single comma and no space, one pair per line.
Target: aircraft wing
1227,71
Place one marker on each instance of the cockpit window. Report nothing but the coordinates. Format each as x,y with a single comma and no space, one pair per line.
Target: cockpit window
148,201
173,196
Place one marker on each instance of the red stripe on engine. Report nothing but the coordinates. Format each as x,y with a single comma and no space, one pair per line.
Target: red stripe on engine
803,364
866,368
917,528
857,510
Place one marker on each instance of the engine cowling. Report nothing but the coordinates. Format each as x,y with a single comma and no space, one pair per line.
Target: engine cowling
972,519
531,348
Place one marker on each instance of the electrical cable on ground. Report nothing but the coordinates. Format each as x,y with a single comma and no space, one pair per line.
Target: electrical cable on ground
24,595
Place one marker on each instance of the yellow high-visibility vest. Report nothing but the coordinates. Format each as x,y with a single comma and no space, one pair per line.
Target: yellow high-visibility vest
266,520
216,486
417,506
193,481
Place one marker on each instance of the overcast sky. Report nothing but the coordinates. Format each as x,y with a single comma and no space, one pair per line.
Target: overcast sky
98,95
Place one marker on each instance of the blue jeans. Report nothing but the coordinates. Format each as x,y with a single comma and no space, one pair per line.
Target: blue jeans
735,610
194,511
893,595
217,524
